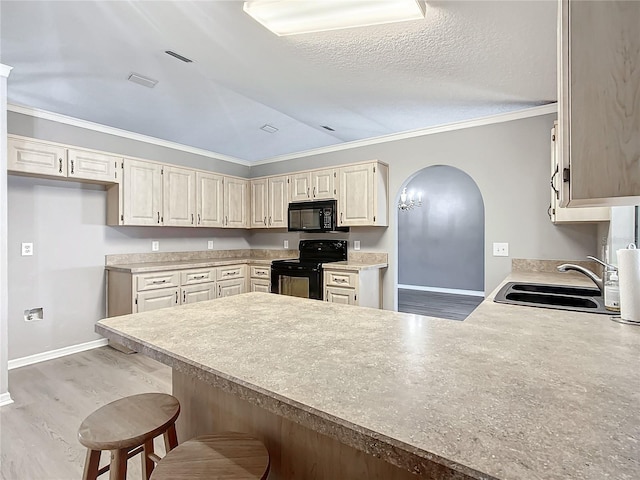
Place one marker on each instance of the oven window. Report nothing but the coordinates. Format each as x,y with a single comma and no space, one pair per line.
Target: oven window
294,286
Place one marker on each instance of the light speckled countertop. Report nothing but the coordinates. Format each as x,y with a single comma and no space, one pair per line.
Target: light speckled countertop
511,393
183,264
350,265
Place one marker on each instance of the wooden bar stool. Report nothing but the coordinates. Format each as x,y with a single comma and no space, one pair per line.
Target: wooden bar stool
127,427
226,455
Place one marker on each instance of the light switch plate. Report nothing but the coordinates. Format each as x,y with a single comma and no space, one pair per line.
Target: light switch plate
155,246
286,244
210,245
27,249
356,244
500,249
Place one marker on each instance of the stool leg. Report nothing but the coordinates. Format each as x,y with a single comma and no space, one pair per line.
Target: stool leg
147,463
91,465
118,467
170,438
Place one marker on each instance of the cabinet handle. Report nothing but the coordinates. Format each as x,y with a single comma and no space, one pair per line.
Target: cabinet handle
60,165
184,297
219,290
314,192
553,187
340,218
265,220
198,219
199,277
156,282
158,217
71,167
307,192
327,299
339,280
269,220
226,220
176,298
192,219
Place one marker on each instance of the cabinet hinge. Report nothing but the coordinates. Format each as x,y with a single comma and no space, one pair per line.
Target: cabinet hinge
566,174
122,218
355,297
287,180
374,169
136,300
122,165
162,171
334,174
374,218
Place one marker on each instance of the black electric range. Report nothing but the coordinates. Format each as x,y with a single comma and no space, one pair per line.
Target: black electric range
302,277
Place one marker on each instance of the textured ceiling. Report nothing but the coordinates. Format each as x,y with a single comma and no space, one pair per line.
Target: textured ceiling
464,60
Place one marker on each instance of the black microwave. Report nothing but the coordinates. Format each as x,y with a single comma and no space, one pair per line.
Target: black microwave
319,216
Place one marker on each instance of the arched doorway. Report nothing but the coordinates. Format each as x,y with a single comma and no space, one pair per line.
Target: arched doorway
441,245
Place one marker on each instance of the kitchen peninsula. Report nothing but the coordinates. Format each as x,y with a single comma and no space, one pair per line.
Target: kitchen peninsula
511,393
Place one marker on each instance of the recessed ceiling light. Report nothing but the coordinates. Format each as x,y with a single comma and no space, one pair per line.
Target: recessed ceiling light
289,17
142,80
268,128
326,127
178,56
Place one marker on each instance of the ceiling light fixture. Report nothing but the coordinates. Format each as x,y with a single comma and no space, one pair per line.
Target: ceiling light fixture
407,202
268,128
142,80
290,17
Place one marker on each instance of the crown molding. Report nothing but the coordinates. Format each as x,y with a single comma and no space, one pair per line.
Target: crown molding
478,122
97,127
5,70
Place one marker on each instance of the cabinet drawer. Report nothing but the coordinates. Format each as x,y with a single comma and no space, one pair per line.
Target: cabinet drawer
156,299
260,286
232,271
201,275
152,281
260,272
345,296
341,279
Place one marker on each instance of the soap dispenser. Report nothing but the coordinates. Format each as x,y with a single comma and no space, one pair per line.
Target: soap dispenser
612,289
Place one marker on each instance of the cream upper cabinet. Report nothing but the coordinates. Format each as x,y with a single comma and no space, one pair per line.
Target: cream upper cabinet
362,198
236,202
259,203
209,200
300,187
278,202
88,165
26,156
323,184
179,196
269,202
559,214
599,110
142,193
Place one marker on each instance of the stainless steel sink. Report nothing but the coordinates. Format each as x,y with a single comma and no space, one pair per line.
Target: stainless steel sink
561,297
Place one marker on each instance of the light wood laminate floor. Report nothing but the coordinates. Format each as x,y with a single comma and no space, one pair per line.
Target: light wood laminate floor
38,432
434,304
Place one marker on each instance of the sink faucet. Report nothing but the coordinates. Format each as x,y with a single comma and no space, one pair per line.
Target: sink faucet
565,267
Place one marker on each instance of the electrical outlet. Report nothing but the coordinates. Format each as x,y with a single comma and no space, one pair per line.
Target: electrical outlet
500,249
286,244
356,244
210,245
27,249
155,246
33,314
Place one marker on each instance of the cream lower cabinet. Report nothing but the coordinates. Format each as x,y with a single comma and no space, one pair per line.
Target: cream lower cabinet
260,278
353,287
362,195
142,292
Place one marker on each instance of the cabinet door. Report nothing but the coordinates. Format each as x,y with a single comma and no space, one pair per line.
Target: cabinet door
300,187
179,196
260,285
142,193
323,184
235,286
278,202
85,165
156,299
599,108
236,202
209,199
346,296
35,157
259,203
198,293
356,202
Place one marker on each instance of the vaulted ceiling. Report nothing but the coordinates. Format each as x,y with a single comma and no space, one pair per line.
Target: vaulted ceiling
465,60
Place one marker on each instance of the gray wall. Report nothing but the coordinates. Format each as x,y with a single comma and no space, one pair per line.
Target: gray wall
510,164
66,222
441,243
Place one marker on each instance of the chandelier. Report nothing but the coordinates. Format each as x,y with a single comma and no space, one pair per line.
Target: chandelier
407,202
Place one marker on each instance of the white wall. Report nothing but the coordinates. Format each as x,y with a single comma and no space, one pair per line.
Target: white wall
510,164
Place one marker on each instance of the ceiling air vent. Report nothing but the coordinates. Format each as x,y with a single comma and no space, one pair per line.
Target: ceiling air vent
178,56
268,128
328,128
142,80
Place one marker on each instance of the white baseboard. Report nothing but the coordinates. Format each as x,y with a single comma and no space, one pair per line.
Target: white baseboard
5,399
455,291
51,354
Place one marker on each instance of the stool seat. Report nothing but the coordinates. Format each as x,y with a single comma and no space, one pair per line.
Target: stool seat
127,427
226,455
